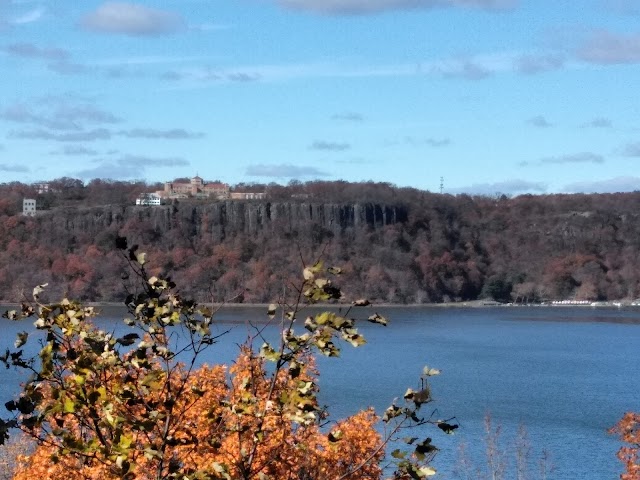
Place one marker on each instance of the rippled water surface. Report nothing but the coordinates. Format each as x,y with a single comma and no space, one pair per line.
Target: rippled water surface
567,374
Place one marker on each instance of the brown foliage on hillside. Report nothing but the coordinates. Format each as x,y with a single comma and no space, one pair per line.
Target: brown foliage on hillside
397,245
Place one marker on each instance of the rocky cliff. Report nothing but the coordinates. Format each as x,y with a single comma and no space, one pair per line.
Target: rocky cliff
221,219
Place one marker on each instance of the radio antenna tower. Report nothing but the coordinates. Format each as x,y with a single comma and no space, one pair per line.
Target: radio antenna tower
441,184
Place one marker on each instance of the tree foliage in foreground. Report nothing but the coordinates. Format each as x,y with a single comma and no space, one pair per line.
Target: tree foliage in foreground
106,407
629,430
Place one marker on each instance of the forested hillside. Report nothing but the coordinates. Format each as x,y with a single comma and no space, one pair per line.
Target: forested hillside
394,245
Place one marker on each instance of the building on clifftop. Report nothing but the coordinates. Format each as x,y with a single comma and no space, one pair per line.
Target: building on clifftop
29,207
196,187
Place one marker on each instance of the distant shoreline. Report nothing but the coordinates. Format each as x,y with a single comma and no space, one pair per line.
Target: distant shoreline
466,304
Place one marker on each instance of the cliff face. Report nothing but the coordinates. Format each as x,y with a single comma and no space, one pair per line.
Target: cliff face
403,248
221,219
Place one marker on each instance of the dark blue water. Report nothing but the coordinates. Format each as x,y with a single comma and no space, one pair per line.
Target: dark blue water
566,374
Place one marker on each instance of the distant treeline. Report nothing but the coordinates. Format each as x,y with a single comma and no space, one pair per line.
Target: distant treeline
397,245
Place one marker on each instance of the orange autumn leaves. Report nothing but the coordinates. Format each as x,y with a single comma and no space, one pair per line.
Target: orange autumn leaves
629,430
235,424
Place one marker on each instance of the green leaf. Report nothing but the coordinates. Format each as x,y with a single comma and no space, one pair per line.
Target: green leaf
267,352
391,412
399,454
426,471
153,380
68,406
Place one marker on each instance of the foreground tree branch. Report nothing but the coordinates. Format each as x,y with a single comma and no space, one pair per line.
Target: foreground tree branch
105,407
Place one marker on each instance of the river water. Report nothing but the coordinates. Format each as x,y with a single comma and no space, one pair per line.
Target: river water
566,374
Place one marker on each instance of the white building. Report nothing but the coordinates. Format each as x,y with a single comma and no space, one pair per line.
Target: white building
247,195
148,199
29,207
42,187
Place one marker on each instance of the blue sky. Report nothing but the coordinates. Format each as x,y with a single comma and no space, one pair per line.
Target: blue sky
495,96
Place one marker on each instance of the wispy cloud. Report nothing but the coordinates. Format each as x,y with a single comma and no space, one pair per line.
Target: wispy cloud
7,167
539,121
412,141
361,7
611,185
508,187
74,150
466,69
58,113
533,64
132,19
129,166
476,68
243,77
625,7
329,146
598,122
605,48
68,68
171,134
83,136
284,171
584,157
356,161
30,50
58,59
153,161
348,117
429,142
208,74
631,150
29,17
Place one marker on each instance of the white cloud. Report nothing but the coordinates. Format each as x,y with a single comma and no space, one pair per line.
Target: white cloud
508,187
583,157
129,166
29,50
625,7
284,171
29,17
84,136
598,122
329,146
359,7
611,185
467,69
74,150
132,19
429,142
348,117
539,121
532,64
631,150
606,48
57,113
6,167
172,134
